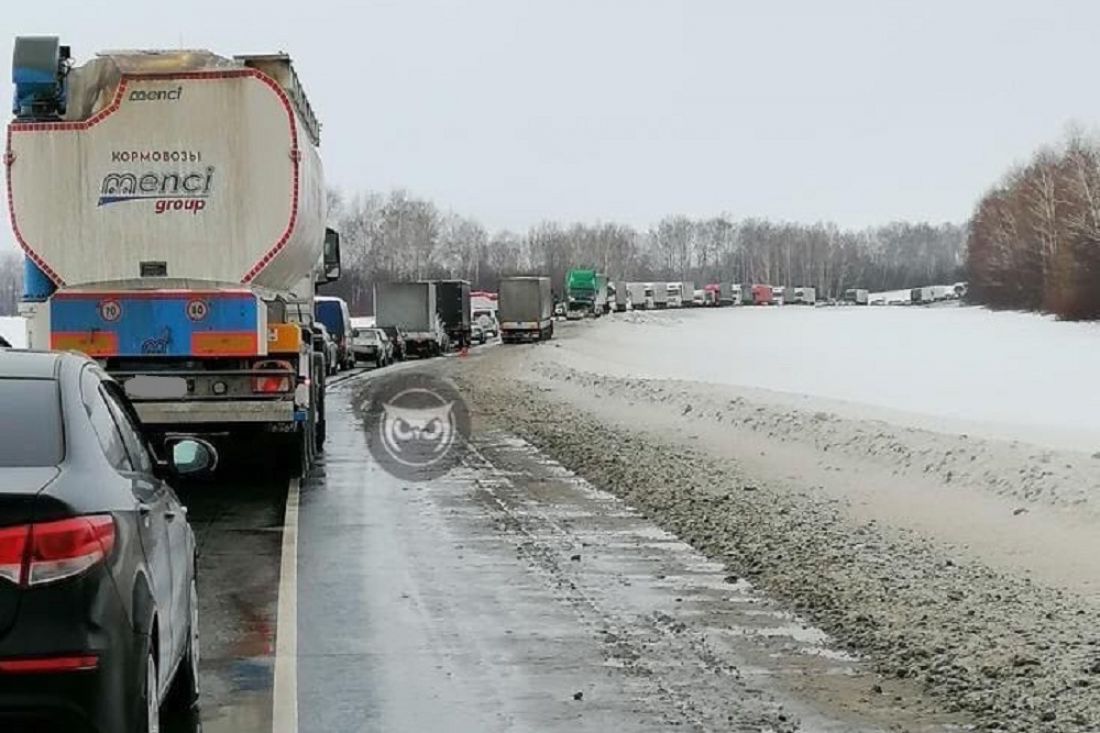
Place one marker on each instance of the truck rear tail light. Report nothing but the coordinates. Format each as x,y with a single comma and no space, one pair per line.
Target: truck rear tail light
276,383
36,554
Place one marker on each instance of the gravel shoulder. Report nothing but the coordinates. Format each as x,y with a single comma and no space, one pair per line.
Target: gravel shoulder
959,566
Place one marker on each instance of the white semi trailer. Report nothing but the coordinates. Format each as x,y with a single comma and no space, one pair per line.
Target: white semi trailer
171,208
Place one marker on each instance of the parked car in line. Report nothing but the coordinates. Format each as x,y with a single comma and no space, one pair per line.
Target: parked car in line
98,600
397,341
477,333
371,345
332,351
488,321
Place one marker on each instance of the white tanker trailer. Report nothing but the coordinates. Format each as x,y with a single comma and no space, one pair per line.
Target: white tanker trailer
171,208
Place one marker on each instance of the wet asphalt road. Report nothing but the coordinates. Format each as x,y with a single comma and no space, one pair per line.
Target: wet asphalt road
509,595
238,526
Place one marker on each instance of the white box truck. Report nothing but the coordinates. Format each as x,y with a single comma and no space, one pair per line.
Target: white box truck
919,296
638,298
803,296
171,208
526,309
622,297
687,294
660,294
857,296
674,295
411,308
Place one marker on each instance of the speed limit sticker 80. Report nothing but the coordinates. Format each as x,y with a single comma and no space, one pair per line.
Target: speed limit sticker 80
197,310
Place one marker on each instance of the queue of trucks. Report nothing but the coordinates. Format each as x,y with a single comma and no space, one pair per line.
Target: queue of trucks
187,261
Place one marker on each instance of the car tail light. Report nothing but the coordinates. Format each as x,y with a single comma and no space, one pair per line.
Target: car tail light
68,547
36,554
276,383
13,552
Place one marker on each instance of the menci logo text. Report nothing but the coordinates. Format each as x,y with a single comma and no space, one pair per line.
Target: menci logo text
156,95
174,191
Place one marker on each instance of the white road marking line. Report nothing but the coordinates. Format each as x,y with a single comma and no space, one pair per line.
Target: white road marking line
284,717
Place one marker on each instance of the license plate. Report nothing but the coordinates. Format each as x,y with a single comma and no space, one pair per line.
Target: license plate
156,388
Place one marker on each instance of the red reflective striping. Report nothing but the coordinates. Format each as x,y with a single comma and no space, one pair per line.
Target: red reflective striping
155,294
43,665
295,156
114,106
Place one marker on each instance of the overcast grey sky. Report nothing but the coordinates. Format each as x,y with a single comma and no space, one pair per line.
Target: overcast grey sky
856,111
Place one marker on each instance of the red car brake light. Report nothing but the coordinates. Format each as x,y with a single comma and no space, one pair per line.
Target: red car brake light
13,552
68,547
43,665
45,552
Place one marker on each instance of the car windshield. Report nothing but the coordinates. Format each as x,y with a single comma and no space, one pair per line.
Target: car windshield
30,423
365,336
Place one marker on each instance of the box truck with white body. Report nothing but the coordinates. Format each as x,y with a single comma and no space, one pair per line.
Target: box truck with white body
526,309
687,294
803,296
919,296
622,297
660,294
411,308
674,295
638,298
857,296
942,292
171,208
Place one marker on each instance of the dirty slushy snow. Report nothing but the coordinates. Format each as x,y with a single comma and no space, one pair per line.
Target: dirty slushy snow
927,536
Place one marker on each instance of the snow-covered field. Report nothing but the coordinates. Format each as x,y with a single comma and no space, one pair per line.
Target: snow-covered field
952,369
13,329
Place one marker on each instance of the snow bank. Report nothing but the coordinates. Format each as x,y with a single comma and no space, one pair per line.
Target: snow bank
13,329
1005,375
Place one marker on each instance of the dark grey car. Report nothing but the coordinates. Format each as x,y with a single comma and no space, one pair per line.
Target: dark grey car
98,600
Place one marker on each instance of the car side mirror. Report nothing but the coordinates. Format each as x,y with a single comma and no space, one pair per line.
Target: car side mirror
331,258
192,457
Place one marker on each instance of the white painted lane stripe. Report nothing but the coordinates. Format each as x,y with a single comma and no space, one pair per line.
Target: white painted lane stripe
284,717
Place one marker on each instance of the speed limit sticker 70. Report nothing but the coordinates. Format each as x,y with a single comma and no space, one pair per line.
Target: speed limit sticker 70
197,310
110,310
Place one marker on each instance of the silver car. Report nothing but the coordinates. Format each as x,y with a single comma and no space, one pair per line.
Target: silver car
332,351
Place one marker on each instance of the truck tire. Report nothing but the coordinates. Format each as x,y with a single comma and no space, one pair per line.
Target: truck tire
320,431
293,452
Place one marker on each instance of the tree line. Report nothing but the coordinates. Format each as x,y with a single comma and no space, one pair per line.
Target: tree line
1034,240
399,236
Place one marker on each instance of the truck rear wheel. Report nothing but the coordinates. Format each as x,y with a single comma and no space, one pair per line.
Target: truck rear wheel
294,452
